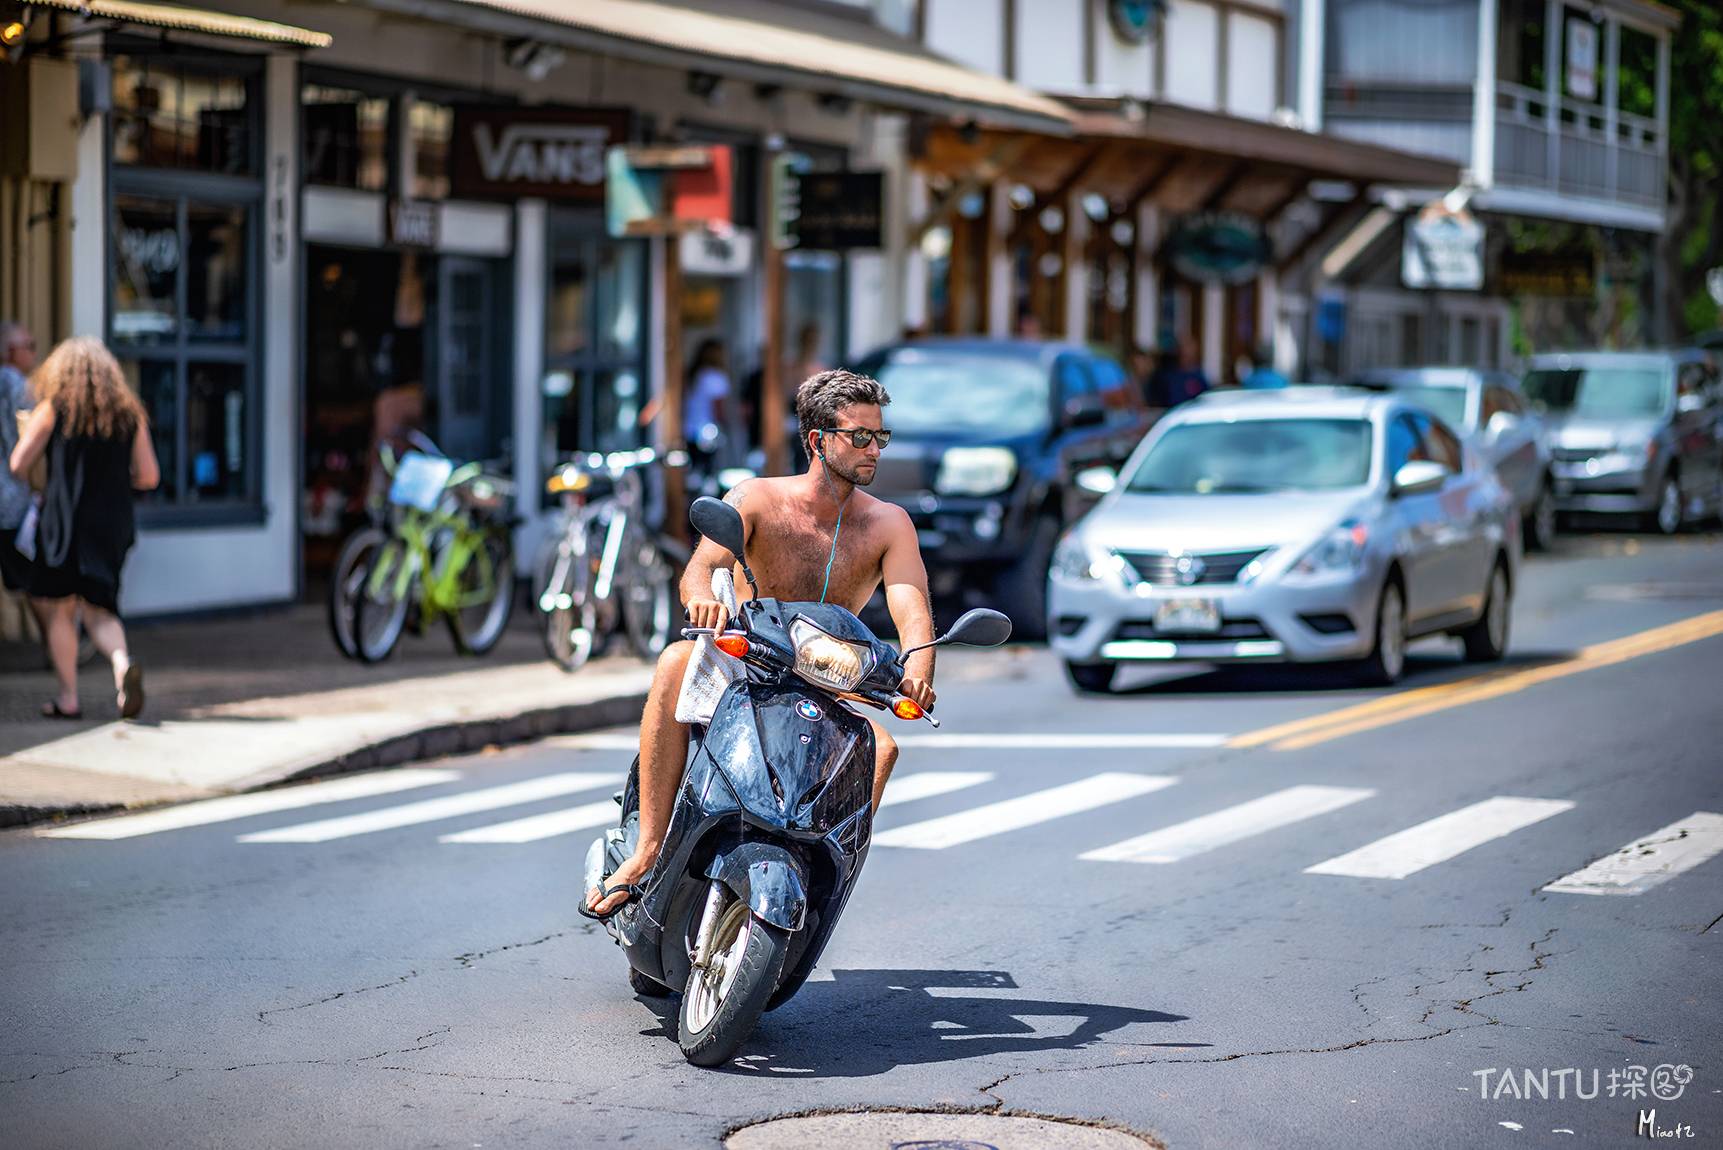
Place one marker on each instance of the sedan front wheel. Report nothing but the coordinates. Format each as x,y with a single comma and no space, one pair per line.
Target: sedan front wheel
1387,659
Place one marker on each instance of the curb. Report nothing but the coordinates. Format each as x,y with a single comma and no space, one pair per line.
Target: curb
435,742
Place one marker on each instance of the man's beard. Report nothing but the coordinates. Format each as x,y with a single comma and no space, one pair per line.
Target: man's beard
849,475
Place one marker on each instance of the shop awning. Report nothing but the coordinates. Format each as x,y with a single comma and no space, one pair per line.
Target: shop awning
765,43
176,18
1178,158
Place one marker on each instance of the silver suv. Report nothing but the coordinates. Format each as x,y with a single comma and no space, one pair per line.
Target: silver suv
1633,433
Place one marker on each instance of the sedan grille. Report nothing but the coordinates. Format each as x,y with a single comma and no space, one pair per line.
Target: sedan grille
1573,454
1161,569
1230,630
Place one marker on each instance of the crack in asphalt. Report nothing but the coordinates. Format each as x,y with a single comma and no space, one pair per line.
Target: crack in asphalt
1464,1006
467,960
263,1015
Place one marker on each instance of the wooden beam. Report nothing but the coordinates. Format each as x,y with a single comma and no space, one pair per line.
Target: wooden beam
1224,188
1272,212
1087,162
1154,181
670,430
1333,218
1007,153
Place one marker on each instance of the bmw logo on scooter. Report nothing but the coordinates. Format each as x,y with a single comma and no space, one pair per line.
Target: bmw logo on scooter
809,710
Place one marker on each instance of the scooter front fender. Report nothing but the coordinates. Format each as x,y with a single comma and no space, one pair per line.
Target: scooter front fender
769,877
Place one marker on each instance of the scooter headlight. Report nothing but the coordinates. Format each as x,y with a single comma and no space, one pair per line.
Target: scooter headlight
829,662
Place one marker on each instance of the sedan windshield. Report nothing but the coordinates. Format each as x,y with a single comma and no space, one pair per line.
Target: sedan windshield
1604,392
1449,403
961,392
1256,455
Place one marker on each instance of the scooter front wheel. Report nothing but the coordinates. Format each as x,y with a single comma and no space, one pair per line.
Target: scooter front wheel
723,1001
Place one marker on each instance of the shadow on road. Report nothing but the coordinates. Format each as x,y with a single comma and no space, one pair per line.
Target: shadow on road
1426,670
866,1022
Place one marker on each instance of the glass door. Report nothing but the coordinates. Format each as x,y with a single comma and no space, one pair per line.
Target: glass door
463,357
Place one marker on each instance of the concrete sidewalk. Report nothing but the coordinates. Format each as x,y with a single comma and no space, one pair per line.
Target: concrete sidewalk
243,703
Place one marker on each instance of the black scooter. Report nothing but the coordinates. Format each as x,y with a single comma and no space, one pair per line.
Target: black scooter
773,816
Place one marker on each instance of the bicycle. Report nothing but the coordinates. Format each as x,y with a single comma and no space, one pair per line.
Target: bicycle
448,555
357,550
606,546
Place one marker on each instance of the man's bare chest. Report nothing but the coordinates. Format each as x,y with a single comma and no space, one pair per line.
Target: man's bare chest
790,559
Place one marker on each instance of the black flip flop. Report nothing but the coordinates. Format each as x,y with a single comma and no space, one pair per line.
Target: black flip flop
132,692
53,711
632,890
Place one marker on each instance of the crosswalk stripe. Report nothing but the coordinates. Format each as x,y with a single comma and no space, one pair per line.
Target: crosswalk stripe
1440,839
430,810
922,785
927,784
1195,836
535,827
1023,811
232,807
1654,859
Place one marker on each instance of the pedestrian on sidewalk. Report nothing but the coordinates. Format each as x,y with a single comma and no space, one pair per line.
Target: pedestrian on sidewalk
95,435
17,361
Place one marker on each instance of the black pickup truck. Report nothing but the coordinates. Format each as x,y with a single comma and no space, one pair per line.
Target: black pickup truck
989,436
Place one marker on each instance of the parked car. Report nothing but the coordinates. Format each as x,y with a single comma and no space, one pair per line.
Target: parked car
1487,408
988,437
1314,524
1633,433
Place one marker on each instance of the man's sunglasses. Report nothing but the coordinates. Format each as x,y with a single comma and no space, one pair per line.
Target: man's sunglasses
862,436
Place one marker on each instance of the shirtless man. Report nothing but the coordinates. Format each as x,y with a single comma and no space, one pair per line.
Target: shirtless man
791,525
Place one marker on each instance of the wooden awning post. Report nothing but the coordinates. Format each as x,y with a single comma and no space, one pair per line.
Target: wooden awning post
670,431
772,403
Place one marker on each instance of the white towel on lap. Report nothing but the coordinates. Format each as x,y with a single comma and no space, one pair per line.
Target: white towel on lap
710,671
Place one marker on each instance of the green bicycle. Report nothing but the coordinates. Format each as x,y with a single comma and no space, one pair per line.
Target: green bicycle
448,556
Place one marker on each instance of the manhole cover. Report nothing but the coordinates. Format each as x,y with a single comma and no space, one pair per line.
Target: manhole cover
898,1130
1627,591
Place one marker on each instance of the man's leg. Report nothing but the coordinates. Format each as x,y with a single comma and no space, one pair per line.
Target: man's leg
884,759
663,754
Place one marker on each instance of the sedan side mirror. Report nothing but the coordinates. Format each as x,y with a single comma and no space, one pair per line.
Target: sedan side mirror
1501,423
1085,411
1097,480
1418,477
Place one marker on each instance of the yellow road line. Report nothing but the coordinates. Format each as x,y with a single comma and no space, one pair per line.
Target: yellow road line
1427,700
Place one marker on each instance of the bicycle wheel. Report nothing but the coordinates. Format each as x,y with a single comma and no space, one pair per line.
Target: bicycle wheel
385,597
346,581
570,619
648,598
485,596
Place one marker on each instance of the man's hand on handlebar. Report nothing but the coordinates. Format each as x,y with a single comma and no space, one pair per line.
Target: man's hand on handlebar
707,614
920,691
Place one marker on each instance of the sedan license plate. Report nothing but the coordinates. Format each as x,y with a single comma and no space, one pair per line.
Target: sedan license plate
1199,615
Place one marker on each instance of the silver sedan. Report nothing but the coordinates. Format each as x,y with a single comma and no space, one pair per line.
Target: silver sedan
1312,524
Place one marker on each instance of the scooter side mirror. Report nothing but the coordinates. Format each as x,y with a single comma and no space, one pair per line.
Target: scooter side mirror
980,627
720,523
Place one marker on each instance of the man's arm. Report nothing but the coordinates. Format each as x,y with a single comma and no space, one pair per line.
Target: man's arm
905,579
708,558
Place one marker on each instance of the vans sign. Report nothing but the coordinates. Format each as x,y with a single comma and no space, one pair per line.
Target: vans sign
510,153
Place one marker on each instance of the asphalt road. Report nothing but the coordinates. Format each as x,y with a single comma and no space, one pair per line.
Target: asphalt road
391,986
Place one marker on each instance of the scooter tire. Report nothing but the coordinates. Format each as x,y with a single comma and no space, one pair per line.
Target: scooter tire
734,1020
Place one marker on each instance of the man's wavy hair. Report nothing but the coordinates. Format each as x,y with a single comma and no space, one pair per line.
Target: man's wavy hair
819,400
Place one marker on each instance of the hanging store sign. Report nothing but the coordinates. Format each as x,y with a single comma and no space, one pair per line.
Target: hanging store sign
1560,275
556,154
1136,21
721,253
836,211
1443,249
658,191
1218,247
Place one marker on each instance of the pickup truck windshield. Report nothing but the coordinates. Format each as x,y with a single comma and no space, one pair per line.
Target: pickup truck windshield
961,392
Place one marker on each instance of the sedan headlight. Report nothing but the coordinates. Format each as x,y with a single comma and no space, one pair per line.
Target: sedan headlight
1075,563
1342,549
829,662
975,471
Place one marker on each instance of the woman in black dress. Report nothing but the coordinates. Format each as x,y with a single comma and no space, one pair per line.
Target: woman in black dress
96,437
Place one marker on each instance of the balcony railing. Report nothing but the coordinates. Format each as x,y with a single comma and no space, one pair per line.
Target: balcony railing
1582,150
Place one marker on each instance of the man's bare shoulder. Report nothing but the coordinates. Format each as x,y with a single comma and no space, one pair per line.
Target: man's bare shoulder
890,518
752,496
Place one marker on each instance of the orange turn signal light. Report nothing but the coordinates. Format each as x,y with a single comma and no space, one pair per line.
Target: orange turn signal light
736,646
906,709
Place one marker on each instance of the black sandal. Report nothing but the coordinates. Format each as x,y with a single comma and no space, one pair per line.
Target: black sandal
632,890
53,711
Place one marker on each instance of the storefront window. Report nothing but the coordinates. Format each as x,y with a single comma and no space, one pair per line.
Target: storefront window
346,137
430,127
181,327
593,391
170,115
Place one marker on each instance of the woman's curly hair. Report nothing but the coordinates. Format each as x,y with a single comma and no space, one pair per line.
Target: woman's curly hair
84,382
